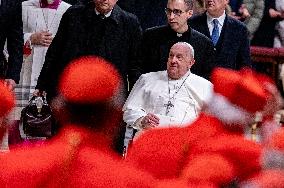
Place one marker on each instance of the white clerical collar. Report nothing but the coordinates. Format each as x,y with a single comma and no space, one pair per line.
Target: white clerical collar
106,15
220,19
179,34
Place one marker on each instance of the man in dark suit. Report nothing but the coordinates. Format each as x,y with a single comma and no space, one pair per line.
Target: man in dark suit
230,36
11,30
98,28
157,41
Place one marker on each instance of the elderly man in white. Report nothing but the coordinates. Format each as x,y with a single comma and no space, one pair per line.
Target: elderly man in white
168,98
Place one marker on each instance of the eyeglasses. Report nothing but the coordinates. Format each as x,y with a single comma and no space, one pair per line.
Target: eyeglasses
176,12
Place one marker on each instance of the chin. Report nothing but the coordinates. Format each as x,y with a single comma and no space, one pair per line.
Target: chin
211,11
174,26
104,10
173,76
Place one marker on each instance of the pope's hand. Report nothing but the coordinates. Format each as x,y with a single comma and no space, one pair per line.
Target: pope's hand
150,121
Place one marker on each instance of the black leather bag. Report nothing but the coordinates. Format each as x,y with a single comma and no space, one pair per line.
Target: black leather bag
37,118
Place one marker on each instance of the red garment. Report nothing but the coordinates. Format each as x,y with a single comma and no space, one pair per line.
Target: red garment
27,50
162,152
243,156
46,4
165,152
75,158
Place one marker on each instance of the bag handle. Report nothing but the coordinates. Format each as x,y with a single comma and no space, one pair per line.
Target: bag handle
43,96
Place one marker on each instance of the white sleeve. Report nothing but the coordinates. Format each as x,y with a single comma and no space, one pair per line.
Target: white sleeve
25,19
134,107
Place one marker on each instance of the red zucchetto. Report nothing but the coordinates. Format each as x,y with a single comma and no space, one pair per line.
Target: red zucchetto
100,78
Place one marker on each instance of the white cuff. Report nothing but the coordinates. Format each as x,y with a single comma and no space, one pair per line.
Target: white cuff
137,124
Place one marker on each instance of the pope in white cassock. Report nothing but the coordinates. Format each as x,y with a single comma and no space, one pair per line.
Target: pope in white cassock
41,20
168,98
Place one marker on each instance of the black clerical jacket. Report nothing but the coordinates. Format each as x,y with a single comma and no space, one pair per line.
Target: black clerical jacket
81,32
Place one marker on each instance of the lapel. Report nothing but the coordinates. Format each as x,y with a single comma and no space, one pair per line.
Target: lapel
203,26
113,24
57,17
225,34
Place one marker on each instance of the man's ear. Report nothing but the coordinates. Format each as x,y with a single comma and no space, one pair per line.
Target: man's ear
189,13
191,63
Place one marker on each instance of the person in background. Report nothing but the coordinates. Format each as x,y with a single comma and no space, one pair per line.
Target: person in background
41,19
264,36
252,12
12,32
115,35
279,37
229,36
11,54
157,41
248,11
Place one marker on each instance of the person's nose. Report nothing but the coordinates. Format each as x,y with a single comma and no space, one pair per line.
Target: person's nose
171,16
175,59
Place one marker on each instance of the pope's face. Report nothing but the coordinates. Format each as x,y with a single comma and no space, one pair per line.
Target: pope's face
180,61
104,6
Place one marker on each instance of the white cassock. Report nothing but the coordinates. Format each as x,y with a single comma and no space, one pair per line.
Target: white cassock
152,92
35,19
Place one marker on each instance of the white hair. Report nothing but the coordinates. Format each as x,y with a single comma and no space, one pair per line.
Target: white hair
189,46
